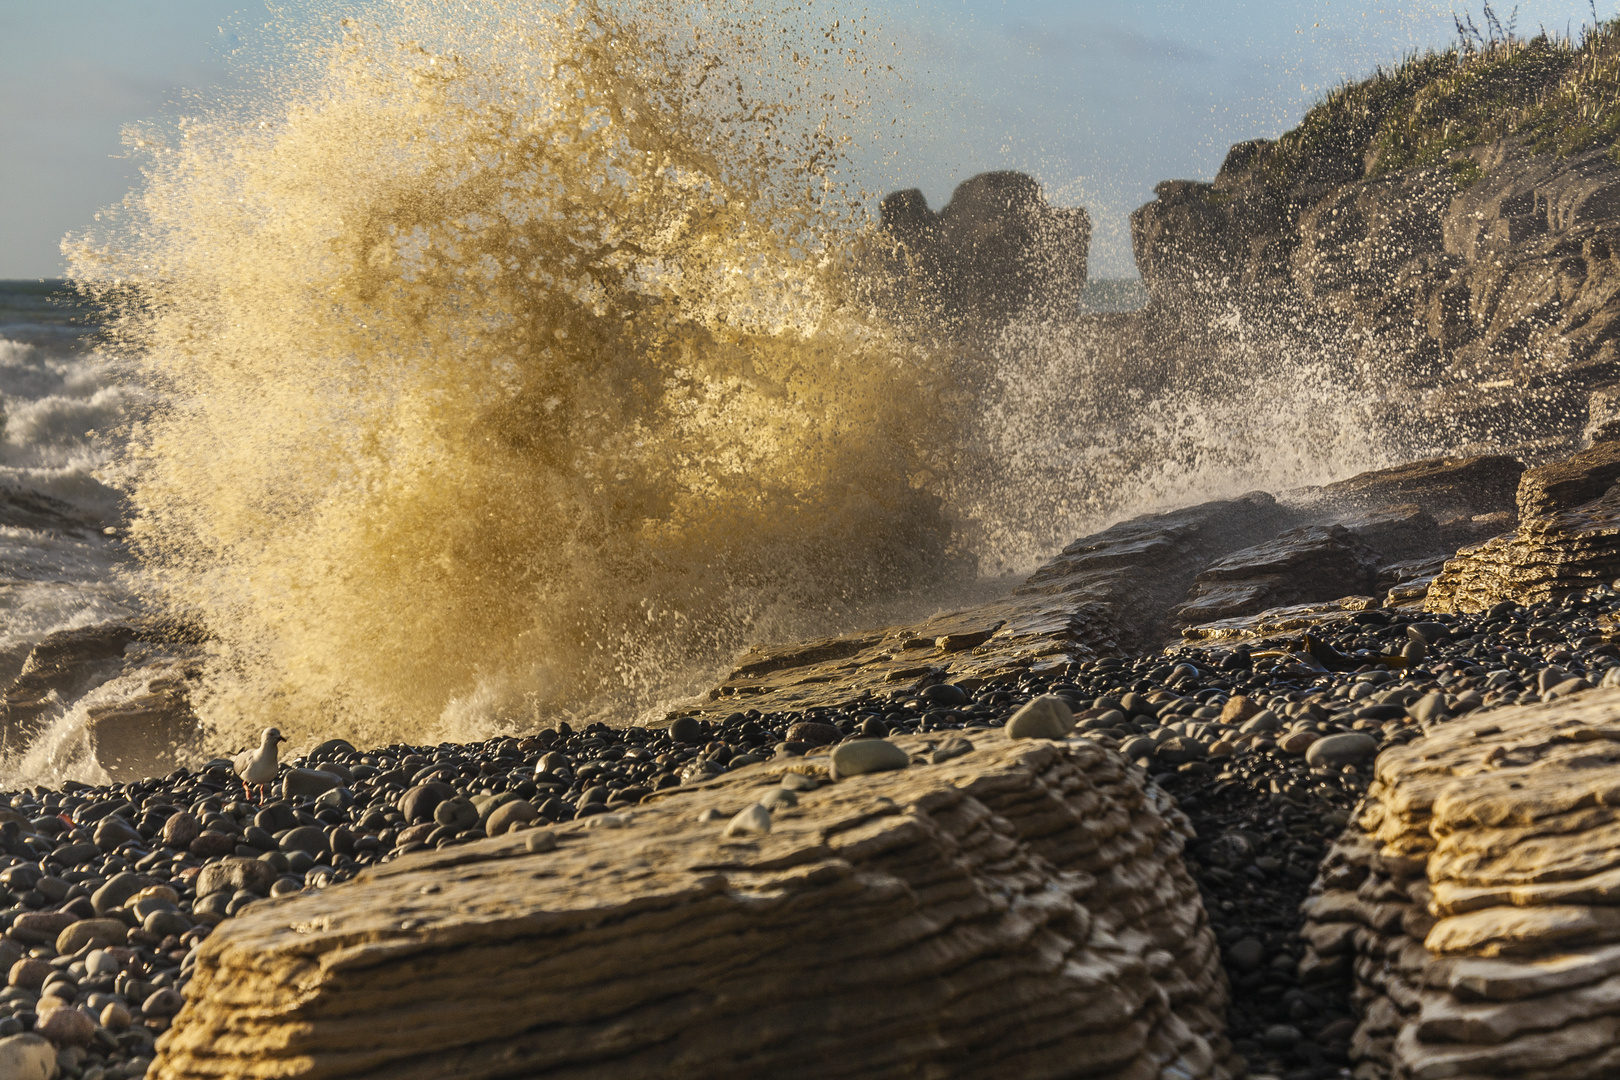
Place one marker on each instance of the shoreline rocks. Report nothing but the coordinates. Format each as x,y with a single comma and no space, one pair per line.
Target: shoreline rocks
885,919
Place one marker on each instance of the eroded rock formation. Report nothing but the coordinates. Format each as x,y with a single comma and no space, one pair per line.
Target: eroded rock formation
997,250
1474,900
1017,909
1567,539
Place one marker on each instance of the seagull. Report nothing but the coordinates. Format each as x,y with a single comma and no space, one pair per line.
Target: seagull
258,767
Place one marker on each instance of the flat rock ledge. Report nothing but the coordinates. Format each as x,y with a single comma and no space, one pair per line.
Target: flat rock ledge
1476,900
1017,909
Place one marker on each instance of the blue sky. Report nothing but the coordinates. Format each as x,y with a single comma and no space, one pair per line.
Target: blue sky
1098,100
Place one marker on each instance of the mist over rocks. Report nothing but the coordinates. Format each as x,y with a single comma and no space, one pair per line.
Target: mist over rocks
1486,308
998,250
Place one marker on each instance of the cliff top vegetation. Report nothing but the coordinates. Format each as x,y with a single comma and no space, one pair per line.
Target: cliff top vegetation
1559,93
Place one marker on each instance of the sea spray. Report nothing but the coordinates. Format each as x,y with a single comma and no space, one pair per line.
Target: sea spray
1084,422
508,366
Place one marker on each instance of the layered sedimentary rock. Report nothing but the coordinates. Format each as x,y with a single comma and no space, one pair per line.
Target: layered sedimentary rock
1309,564
1476,901
1134,585
1013,908
1104,594
1567,539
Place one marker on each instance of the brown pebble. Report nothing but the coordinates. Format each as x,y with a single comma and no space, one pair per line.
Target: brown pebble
29,974
65,1026
115,1017
1238,709
1297,742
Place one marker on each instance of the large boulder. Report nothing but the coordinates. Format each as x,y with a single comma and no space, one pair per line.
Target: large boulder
1018,910
143,736
61,666
1473,900
1446,487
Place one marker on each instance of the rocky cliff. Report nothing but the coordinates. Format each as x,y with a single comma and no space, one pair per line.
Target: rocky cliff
1454,251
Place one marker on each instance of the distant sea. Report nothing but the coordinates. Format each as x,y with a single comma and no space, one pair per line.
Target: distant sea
63,405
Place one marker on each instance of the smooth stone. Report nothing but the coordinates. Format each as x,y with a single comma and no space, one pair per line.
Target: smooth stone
1281,1036
211,844
798,782
163,923
164,1002
302,783
1264,722
1337,751
1134,704
867,756
1569,686
509,815
29,973
100,962
779,798
1298,742
458,814
331,748
27,1057
40,927
753,821
99,932
76,853
66,1026
1139,747
1247,955
539,841
113,832
306,838
1180,750
687,729
1046,717
1428,708
946,695
419,802
115,1017
276,817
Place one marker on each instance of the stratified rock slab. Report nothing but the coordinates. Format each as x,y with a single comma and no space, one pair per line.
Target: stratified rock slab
1476,901
1567,539
1017,910
1106,593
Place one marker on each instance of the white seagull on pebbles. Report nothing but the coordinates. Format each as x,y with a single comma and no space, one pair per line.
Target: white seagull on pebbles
258,767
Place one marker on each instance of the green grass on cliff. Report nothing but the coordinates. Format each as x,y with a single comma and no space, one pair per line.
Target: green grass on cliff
1560,95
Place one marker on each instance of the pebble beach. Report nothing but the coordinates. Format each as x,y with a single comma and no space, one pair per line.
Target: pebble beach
109,891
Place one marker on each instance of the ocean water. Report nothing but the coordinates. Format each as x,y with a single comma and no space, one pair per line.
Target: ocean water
61,556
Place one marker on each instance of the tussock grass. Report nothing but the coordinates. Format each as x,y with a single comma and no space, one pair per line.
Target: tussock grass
1560,93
